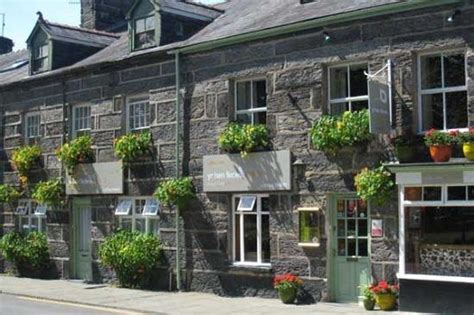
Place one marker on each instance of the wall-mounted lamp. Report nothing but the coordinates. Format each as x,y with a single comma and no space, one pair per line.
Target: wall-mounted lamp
453,16
327,37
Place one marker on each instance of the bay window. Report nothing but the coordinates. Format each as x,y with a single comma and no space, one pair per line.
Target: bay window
138,214
251,230
443,91
348,89
251,102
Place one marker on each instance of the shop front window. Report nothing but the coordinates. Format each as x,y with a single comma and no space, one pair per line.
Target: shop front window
251,227
138,214
439,230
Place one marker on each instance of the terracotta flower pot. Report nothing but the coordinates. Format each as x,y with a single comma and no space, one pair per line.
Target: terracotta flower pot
441,153
386,302
468,150
288,295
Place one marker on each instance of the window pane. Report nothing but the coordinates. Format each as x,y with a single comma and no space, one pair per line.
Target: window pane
362,228
243,95
412,193
309,227
341,247
358,80
351,227
456,110
457,193
154,227
140,225
339,108
432,107
341,228
351,247
140,26
126,224
338,79
432,193
363,250
351,208
259,94
360,105
265,238
454,70
244,118
150,23
265,204
260,118
430,72
237,237
250,237
470,192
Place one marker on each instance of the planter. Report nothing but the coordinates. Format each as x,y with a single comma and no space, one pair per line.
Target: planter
468,150
404,153
288,295
441,153
369,304
386,302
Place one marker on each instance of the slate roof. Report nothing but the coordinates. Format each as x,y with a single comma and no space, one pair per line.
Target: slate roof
247,16
193,7
79,35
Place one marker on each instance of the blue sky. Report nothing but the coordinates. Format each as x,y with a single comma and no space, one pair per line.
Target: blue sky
20,15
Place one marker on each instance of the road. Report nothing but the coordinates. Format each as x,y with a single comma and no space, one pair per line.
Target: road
14,305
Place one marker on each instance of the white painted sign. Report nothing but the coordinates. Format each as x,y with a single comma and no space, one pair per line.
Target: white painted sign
96,179
377,228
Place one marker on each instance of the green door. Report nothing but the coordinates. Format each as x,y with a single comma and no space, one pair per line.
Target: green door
350,248
82,239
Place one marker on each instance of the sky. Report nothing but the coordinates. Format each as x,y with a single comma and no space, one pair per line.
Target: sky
20,16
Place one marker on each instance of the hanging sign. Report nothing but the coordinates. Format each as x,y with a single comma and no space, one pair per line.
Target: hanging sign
380,100
377,228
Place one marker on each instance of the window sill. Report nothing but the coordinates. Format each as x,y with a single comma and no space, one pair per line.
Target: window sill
259,268
436,278
309,244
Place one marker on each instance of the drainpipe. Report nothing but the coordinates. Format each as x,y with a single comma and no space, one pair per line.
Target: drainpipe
178,99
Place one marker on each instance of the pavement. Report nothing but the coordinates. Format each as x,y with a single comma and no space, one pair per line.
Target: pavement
127,301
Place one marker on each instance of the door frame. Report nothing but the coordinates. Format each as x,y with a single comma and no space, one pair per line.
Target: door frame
332,239
78,202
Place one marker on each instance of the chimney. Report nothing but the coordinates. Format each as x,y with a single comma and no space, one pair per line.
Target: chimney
105,15
6,45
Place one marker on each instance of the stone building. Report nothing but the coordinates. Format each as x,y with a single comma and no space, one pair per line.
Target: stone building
280,63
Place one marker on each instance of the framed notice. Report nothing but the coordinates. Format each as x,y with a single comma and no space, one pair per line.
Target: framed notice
376,228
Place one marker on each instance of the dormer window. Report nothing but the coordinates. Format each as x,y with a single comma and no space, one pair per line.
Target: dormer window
40,59
145,32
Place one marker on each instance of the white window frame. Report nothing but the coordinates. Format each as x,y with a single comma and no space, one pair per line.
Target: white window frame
252,110
30,215
241,214
402,204
31,139
76,119
348,99
316,210
136,101
138,216
441,90
135,33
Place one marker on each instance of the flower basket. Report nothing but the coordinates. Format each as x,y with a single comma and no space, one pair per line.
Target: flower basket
288,295
386,302
287,286
440,144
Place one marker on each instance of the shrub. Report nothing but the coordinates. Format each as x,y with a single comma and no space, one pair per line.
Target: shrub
176,191
29,253
130,146
375,185
243,138
48,192
74,152
435,137
9,194
25,157
331,133
133,257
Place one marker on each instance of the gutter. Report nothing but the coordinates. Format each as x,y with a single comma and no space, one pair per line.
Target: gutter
315,23
178,173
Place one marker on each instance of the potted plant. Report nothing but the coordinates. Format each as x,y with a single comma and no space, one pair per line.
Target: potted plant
385,295
375,185
332,133
48,193
8,194
467,141
177,191
369,299
77,151
23,160
131,146
243,138
403,146
287,286
440,144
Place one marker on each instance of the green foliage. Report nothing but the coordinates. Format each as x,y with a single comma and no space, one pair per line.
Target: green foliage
331,133
72,153
466,137
243,138
435,137
369,295
48,192
375,185
133,257
27,252
8,193
177,191
25,157
130,146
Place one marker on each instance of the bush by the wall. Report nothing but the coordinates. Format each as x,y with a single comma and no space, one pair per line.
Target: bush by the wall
133,257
